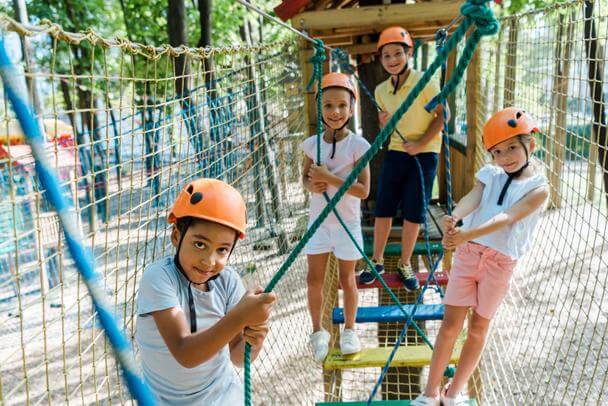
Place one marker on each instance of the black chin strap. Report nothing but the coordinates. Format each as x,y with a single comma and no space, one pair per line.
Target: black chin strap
333,136
191,307
513,175
396,84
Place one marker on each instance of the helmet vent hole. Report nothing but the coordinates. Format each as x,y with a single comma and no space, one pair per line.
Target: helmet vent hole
512,123
190,189
196,197
519,114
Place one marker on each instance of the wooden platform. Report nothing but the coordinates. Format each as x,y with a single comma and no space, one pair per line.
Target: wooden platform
387,314
406,356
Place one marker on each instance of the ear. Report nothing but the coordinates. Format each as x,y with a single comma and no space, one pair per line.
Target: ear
175,236
532,146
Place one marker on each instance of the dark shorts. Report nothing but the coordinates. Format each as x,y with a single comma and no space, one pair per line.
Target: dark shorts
400,185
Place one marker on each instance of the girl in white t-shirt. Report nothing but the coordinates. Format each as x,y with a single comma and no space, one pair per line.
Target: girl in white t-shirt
340,151
499,216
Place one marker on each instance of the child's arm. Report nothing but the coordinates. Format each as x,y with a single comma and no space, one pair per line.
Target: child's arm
192,349
465,206
311,186
414,147
253,335
359,189
526,206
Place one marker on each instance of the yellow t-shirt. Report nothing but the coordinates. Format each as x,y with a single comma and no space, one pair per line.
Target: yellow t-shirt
416,120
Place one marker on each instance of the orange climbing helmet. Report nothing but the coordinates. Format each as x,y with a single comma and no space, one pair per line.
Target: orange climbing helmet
507,123
335,79
212,200
395,35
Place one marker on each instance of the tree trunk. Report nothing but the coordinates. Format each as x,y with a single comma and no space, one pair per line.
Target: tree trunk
178,35
205,8
21,14
596,85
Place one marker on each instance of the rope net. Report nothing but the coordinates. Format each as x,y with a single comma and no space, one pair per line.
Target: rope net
548,343
128,125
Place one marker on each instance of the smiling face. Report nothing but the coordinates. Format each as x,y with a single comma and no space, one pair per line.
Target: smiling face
204,250
337,107
394,58
510,155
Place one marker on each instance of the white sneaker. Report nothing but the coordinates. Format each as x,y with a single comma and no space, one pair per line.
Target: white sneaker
349,342
319,340
422,400
461,399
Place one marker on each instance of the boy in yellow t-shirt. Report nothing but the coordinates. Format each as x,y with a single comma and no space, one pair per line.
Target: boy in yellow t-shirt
400,178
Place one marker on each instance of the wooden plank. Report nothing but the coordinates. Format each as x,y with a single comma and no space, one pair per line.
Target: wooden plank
394,282
379,16
393,313
407,356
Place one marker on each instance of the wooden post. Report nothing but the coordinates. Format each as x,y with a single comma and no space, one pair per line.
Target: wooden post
332,379
473,136
560,100
510,71
497,66
473,128
595,78
443,195
310,115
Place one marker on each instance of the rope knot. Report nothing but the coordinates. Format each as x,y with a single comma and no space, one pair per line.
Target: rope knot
317,61
481,15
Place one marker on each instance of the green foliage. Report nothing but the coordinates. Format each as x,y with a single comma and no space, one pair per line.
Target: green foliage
517,6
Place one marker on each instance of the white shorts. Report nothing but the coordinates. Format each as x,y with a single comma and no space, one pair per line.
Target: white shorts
333,238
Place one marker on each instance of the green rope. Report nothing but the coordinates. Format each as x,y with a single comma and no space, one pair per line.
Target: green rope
476,13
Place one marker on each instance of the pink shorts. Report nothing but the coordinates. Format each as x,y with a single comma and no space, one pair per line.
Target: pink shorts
479,278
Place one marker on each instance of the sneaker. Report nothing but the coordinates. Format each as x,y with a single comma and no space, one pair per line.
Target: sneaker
422,400
367,277
349,342
319,340
408,277
460,400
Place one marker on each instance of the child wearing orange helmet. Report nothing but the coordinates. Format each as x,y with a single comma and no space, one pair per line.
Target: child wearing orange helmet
340,151
417,138
194,315
499,216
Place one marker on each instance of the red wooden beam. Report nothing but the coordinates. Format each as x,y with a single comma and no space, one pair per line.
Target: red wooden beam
290,8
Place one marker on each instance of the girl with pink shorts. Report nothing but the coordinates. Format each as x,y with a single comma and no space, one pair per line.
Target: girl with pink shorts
498,216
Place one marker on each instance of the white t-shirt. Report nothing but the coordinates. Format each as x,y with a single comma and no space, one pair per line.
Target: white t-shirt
348,151
514,240
213,382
